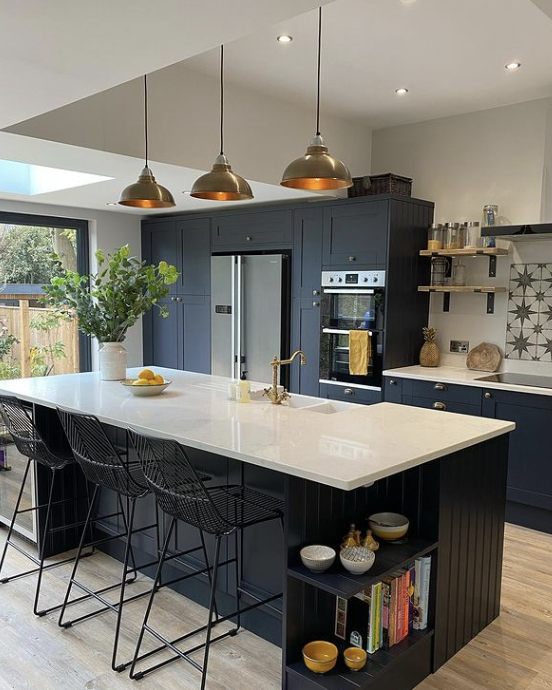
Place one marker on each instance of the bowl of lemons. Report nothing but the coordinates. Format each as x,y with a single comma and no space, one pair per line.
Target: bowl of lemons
147,384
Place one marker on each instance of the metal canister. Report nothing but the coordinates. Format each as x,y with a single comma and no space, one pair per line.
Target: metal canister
473,234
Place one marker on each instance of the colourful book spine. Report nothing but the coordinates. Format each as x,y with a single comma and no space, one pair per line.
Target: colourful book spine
386,612
400,607
417,582
424,591
405,603
372,621
412,572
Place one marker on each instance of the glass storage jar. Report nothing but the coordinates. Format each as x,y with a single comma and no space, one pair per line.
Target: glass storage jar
490,214
473,235
435,237
458,274
454,236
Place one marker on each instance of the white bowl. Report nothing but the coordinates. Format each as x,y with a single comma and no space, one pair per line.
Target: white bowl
357,559
145,391
388,526
317,557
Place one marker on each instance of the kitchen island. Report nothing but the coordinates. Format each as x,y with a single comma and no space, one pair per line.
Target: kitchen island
334,464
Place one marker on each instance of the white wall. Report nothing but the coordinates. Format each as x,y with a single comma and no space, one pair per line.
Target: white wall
108,231
461,163
262,134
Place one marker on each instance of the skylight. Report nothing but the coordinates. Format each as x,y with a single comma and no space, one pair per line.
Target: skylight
24,178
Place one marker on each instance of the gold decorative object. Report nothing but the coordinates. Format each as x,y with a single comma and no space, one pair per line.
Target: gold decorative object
369,542
146,193
349,540
429,354
221,184
272,393
317,170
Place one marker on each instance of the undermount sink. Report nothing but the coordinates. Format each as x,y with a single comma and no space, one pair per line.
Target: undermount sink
317,405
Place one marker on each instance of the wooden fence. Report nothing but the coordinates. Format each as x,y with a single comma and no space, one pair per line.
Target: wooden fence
41,345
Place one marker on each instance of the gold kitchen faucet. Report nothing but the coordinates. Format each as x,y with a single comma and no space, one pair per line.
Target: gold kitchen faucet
272,393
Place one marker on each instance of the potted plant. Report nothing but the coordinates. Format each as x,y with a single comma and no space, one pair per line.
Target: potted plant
109,302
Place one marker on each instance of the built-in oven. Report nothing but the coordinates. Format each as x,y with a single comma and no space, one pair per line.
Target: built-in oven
352,302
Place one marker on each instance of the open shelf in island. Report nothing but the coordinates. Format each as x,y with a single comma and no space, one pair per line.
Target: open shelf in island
389,557
384,661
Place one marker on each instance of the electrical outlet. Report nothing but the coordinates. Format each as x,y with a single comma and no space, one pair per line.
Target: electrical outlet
461,347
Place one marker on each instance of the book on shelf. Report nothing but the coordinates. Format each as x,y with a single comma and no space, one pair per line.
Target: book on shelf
382,615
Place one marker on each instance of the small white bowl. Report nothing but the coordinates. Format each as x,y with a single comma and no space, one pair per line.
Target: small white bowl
357,559
145,391
389,526
317,557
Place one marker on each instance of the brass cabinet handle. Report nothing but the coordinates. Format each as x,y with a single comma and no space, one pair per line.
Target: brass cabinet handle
439,406
392,382
248,238
348,391
352,258
488,395
315,292
440,387
316,304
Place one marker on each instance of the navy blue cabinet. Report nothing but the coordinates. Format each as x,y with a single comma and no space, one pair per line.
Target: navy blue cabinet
355,235
529,489
252,231
183,339
305,307
436,395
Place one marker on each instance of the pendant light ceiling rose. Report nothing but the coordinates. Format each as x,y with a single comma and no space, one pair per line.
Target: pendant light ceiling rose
317,170
221,184
146,193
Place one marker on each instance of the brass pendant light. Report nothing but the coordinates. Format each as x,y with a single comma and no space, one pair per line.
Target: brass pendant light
221,184
317,170
146,193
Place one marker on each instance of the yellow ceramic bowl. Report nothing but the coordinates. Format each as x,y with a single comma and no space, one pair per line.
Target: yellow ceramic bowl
388,526
355,658
320,656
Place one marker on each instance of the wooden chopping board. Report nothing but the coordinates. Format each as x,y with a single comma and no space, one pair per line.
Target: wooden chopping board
484,357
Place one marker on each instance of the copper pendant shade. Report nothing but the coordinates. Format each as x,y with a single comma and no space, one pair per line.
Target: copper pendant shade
146,193
317,170
221,184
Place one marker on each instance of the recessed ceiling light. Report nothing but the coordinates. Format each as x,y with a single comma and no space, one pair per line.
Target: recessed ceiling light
511,66
401,91
285,38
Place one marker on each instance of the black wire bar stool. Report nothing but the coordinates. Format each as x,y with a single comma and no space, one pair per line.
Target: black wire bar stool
30,443
103,466
219,511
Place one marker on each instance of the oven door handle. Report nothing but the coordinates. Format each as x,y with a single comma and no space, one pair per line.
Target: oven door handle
348,291
337,331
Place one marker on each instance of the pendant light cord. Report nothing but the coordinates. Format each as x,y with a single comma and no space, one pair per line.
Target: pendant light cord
221,100
318,76
146,115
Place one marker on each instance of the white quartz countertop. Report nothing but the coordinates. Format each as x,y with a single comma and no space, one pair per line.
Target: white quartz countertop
347,449
460,375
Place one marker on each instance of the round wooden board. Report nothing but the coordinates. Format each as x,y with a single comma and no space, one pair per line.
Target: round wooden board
484,357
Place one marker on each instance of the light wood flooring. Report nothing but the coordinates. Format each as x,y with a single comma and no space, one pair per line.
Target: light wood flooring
513,653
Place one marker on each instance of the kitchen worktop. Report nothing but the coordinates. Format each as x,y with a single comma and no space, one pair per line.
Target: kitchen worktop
462,376
347,449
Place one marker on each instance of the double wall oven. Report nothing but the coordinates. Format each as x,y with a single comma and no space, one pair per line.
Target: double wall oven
351,301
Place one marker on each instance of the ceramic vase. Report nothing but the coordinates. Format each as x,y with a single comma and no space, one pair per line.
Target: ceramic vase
113,362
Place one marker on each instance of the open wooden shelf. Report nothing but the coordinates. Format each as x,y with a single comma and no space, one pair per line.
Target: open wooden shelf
461,288
389,557
470,251
381,661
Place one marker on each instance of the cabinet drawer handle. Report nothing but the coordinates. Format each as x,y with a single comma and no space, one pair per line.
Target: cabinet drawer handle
349,391
488,395
352,258
439,406
440,387
316,304
392,382
315,292
248,238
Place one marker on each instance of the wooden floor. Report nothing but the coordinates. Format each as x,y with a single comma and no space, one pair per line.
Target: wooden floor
513,653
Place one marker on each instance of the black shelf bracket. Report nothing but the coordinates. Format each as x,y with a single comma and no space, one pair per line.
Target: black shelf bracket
490,302
446,301
492,266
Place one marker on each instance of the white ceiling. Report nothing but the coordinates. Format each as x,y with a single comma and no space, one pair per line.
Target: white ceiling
450,54
58,51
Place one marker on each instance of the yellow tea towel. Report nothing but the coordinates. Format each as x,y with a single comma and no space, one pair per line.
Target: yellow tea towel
360,352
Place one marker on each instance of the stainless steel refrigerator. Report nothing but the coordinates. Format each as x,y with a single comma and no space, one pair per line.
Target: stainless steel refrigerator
249,314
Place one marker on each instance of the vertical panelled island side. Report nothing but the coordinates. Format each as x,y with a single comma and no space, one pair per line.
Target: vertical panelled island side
334,464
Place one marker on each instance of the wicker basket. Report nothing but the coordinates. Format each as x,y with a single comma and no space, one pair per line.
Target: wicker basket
381,184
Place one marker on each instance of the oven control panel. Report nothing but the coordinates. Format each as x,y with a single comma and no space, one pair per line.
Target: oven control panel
353,279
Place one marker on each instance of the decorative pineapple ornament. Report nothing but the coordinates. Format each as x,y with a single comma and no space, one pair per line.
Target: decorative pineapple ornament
429,354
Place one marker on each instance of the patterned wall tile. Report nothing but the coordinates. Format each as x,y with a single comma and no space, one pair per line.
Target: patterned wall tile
529,325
